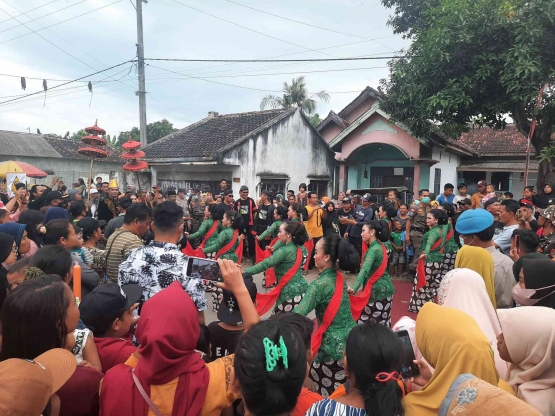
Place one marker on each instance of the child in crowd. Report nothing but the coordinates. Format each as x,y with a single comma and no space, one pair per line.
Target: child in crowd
397,254
79,250
490,189
461,187
225,333
408,249
109,314
393,200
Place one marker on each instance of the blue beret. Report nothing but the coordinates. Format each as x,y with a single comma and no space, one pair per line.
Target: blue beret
473,221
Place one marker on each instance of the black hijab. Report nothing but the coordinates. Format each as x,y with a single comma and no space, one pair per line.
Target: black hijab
6,246
539,274
546,197
330,216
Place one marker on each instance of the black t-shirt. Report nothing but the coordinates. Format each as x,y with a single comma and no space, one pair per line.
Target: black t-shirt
223,341
244,207
262,218
534,225
344,214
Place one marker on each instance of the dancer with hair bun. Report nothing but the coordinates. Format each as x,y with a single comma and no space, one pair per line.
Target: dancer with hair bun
287,262
431,264
328,297
376,298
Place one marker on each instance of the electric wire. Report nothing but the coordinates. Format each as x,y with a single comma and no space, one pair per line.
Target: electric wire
36,8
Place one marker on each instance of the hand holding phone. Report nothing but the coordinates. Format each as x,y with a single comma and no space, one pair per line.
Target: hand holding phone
408,367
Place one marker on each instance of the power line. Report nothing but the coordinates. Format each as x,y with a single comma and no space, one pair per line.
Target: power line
275,60
36,8
69,82
302,23
38,18
63,21
260,33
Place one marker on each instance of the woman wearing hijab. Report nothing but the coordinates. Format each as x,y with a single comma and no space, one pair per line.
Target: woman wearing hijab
452,342
34,225
547,195
167,366
479,260
536,284
18,232
8,256
528,343
465,290
330,221
56,213
476,397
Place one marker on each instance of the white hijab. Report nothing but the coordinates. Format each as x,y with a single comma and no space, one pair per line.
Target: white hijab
465,290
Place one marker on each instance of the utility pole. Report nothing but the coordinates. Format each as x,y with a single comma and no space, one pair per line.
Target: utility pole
141,66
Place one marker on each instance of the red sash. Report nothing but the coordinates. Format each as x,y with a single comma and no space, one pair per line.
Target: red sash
329,315
259,253
358,302
266,301
421,270
309,248
197,252
239,252
271,273
228,246
364,250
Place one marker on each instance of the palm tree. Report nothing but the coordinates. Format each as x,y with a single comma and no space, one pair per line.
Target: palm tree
295,95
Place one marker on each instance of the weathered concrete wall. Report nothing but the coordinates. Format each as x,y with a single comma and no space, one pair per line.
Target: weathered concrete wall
290,150
448,163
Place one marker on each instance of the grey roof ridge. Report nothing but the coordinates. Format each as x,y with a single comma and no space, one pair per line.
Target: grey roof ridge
332,116
366,91
265,126
183,130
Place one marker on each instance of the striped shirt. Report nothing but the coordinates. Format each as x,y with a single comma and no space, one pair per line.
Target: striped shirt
118,246
328,407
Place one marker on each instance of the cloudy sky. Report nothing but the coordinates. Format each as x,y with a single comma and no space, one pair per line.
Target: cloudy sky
68,39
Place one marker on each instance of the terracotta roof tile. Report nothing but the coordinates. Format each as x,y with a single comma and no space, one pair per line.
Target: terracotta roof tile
489,142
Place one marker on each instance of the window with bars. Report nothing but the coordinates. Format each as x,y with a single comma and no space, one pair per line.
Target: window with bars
437,182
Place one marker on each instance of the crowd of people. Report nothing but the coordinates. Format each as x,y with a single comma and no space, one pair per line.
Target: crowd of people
103,296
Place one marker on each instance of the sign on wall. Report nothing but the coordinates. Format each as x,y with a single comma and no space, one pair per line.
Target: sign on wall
12,179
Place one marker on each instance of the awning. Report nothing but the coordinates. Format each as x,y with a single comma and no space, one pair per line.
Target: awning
498,167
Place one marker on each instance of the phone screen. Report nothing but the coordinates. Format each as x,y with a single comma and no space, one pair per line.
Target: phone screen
516,238
408,368
204,269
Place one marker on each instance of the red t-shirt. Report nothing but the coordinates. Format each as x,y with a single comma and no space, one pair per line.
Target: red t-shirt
306,399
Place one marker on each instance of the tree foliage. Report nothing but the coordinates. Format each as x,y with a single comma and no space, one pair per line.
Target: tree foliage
473,62
295,95
77,136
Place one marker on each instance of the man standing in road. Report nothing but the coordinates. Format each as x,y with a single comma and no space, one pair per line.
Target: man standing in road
447,195
363,214
108,206
478,196
246,206
223,187
509,209
227,202
313,224
345,215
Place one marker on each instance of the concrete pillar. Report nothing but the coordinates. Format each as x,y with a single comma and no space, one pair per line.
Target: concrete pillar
154,179
342,177
416,179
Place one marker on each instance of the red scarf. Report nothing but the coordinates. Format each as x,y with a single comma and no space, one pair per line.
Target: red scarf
358,302
259,253
364,250
266,301
113,351
329,314
168,331
239,252
198,252
271,273
309,248
420,269
228,246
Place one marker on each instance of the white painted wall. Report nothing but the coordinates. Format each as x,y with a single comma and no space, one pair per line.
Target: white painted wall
448,163
290,149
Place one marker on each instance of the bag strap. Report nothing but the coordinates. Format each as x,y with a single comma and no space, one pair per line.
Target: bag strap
113,241
145,396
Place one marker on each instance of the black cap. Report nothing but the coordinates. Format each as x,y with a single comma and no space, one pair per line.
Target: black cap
103,305
183,190
52,195
172,192
490,201
465,201
346,200
229,312
227,192
90,225
526,203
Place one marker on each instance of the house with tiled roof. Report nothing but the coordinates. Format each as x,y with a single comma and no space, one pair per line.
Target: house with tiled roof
372,152
258,149
500,159
57,157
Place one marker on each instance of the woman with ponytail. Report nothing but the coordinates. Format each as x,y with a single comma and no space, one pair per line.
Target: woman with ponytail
372,360
376,298
270,368
287,262
431,264
328,297
228,239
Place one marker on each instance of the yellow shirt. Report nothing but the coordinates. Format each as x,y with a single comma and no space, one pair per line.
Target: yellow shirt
314,225
218,397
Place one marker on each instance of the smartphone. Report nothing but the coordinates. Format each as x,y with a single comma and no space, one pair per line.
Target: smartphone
204,269
516,238
408,367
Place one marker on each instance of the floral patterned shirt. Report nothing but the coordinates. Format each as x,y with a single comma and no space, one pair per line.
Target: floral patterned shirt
155,267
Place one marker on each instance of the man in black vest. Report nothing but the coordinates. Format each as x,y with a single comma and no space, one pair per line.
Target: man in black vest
246,206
